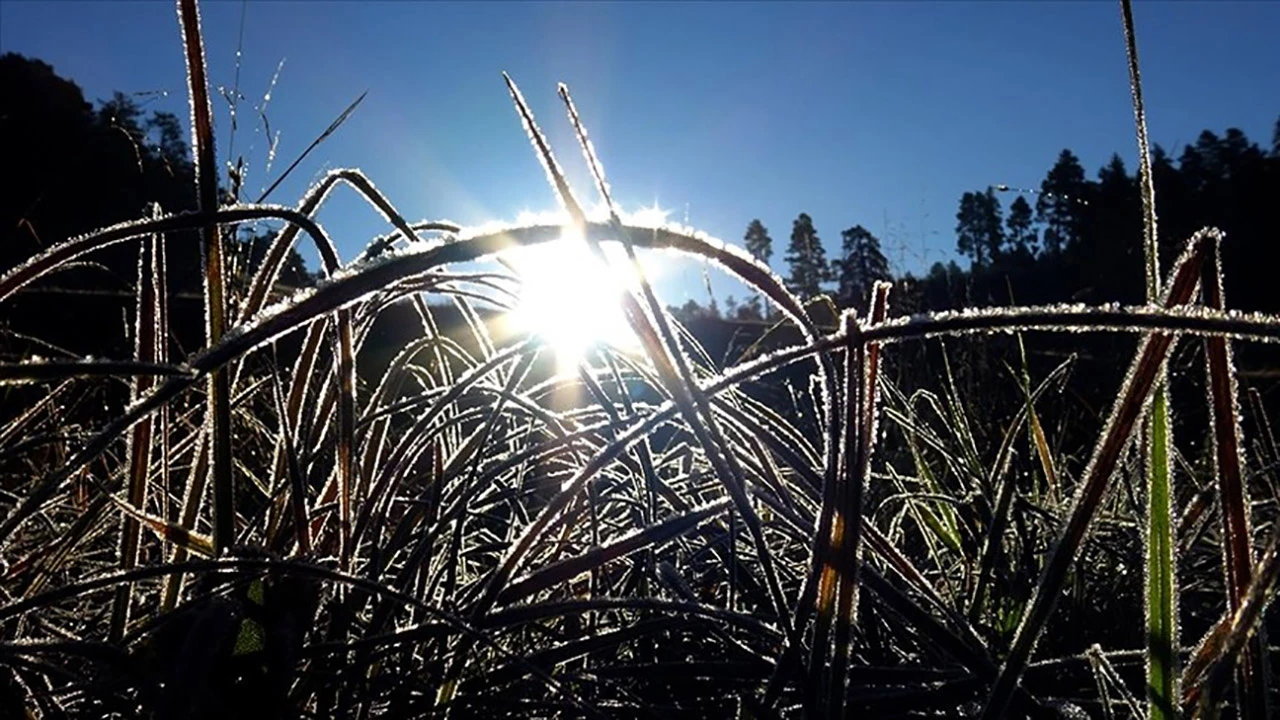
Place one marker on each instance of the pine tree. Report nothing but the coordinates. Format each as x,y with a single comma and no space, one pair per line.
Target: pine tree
168,142
1021,240
758,242
1113,237
860,265
760,245
1062,195
979,228
806,258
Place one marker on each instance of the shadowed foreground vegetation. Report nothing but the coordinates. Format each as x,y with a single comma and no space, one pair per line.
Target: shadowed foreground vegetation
286,495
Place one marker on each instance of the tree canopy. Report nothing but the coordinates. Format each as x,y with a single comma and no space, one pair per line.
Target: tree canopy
758,242
806,259
860,266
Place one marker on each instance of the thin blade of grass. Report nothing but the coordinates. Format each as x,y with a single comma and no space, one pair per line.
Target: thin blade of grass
192,501
1161,587
160,273
297,483
218,404
168,532
139,445
1233,496
333,127
22,373
1146,185
1137,387
345,367
1254,327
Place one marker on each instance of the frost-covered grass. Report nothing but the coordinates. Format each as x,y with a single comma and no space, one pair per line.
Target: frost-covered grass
263,532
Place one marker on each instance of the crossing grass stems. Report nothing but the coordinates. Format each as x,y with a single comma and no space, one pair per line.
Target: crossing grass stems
449,537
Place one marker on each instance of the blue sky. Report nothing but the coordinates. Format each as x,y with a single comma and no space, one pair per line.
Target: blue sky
880,114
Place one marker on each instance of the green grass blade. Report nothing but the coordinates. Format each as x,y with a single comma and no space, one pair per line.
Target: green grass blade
992,547
1124,415
1161,595
1161,587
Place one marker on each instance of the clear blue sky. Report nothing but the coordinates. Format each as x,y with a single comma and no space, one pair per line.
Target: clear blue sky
881,114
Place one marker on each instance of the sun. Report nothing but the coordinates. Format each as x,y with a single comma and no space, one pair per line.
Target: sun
571,299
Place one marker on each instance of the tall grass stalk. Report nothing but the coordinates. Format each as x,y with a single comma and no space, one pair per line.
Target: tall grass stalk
147,337
1161,587
1233,498
218,404
859,427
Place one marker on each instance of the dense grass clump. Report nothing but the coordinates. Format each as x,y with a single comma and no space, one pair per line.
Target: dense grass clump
278,524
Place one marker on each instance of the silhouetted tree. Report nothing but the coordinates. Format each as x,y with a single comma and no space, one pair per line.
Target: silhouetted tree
1231,184
1061,195
758,242
1109,257
734,310
979,228
167,130
806,259
81,169
760,245
691,311
860,265
945,287
1021,239
750,310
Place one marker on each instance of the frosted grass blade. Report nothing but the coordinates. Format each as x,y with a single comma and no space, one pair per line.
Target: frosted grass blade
1125,413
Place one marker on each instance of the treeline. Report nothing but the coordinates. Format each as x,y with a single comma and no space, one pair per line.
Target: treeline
78,167
1074,239
1082,238
847,279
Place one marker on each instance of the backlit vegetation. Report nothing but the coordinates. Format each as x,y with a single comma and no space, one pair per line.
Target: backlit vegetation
274,526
